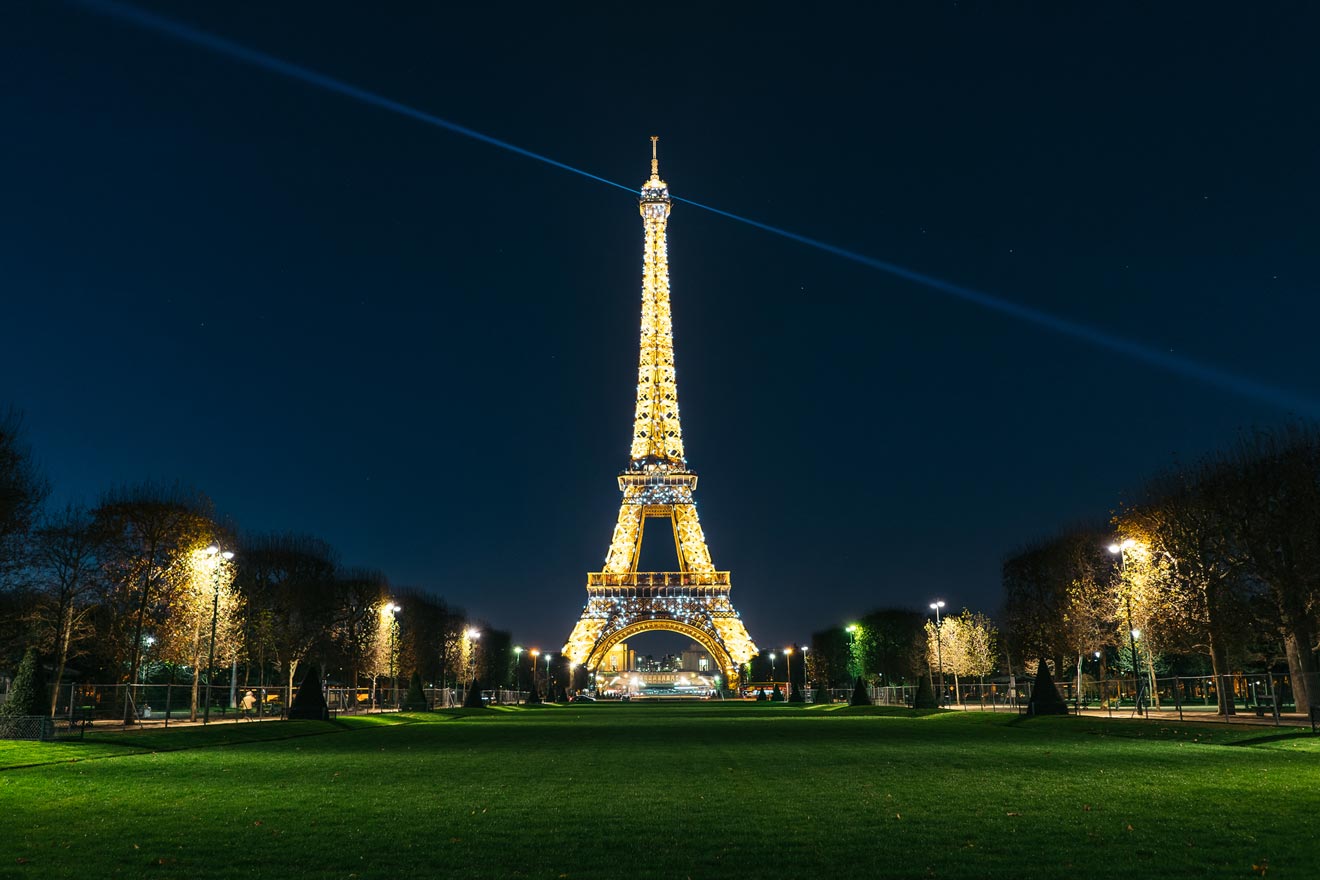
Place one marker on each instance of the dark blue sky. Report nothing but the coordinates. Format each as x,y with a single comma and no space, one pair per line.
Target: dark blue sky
340,321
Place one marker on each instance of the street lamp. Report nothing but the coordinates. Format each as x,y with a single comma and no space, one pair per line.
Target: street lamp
939,645
772,669
788,663
224,556
1120,550
548,695
471,635
517,673
393,611
851,630
535,654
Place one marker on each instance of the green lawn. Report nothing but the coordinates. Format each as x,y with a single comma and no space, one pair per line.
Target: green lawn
687,790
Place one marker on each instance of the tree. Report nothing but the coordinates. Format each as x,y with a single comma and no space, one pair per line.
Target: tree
148,534
23,490
890,643
1274,505
1182,521
206,597
288,583
859,695
827,661
356,626
27,693
66,566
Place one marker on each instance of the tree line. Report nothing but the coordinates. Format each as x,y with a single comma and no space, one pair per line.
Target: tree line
1211,567
150,584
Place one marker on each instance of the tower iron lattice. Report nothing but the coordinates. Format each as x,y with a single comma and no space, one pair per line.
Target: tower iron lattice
657,484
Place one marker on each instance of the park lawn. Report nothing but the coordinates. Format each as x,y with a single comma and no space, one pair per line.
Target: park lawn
678,790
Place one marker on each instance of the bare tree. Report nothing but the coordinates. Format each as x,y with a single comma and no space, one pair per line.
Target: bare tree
1274,505
288,584
66,564
23,490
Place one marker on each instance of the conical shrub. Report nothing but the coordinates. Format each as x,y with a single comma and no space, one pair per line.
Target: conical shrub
821,695
472,699
27,693
777,696
760,695
533,696
795,696
859,695
416,699
1045,697
309,702
924,698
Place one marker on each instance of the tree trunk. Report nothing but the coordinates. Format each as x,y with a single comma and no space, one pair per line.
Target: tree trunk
1077,697
1154,688
62,639
1219,666
1303,671
957,691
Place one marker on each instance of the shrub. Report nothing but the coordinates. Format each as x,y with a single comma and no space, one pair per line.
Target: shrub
534,696
777,696
795,696
760,695
416,699
924,698
309,702
821,695
859,695
27,694
1045,698
472,699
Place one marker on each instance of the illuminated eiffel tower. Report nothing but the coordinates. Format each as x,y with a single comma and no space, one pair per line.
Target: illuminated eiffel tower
694,601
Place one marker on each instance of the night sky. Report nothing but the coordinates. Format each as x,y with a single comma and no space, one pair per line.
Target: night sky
336,320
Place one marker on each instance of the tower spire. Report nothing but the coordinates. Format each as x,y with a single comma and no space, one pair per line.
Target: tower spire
655,161
657,440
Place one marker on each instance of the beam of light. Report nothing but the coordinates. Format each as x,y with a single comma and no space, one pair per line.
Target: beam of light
1094,336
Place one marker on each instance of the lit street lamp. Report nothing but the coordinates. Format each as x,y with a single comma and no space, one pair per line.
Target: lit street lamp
1120,550
788,663
806,685
939,645
548,695
517,673
471,635
772,669
851,630
393,611
225,556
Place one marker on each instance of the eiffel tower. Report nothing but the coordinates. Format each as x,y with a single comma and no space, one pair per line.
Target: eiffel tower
693,601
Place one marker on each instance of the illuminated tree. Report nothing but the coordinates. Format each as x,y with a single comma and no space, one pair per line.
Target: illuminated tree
148,534
1205,606
206,595
360,620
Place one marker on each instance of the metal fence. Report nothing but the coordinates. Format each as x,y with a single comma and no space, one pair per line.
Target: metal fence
35,727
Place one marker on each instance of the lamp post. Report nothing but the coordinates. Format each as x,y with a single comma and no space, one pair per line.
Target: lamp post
851,630
772,670
548,695
788,664
517,673
806,685
939,645
1120,550
535,654
219,557
471,635
393,610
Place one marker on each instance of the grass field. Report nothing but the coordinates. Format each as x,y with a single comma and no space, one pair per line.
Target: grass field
693,790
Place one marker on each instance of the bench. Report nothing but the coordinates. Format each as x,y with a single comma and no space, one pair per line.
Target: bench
1264,704
1315,719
